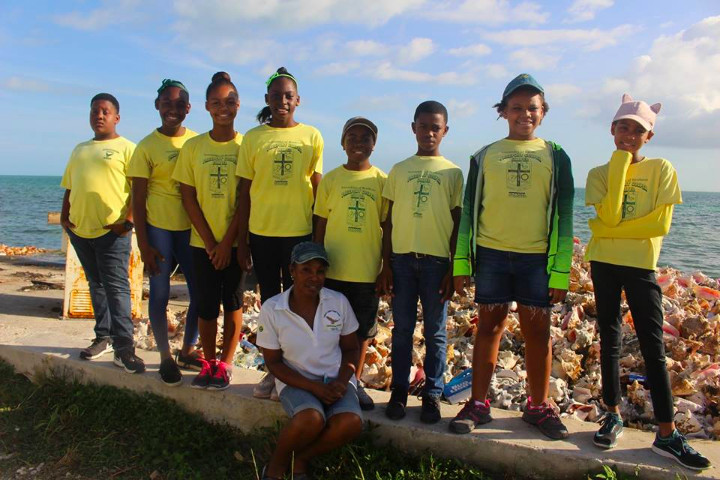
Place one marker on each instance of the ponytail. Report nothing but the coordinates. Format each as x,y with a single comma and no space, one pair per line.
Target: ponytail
264,116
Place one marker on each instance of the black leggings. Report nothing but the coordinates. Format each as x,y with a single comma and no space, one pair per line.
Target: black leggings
644,297
271,260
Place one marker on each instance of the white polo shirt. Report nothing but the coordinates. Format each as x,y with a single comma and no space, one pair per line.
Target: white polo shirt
314,353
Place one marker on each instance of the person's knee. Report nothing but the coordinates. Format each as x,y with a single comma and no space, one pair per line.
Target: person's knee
310,420
347,425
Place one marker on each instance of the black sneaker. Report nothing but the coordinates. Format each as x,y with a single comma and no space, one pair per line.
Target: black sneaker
430,412
98,348
546,419
129,361
170,373
610,431
395,409
366,402
676,447
472,414
193,361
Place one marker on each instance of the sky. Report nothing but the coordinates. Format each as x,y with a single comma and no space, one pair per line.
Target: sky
378,59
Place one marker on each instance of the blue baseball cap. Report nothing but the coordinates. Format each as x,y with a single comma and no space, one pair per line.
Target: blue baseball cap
522,80
306,251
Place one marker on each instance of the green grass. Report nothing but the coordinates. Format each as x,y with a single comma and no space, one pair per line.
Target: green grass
92,431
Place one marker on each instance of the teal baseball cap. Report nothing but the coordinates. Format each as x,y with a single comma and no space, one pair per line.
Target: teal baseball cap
306,251
522,80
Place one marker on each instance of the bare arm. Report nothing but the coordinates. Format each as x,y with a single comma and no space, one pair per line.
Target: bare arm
242,199
384,282
320,227
447,286
65,212
192,207
274,363
148,254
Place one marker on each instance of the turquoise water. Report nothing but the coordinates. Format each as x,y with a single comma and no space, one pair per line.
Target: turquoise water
693,242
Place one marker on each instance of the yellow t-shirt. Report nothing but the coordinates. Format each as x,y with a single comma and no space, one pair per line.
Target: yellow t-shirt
515,196
99,188
154,159
209,166
354,207
649,184
280,162
423,191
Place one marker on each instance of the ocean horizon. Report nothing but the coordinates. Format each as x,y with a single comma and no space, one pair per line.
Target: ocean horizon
693,242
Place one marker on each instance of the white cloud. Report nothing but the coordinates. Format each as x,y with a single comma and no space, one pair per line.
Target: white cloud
589,40
531,59
561,92
682,71
496,70
416,50
365,48
584,10
24,84
386,71
337,68
291,14
460,109
487,12
476,50
107,16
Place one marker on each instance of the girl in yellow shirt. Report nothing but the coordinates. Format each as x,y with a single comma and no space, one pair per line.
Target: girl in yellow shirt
280,167
634,197
162,226
205,170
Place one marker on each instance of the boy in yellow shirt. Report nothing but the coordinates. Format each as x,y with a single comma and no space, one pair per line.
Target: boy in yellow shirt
425,197
350,210
97,216
634,197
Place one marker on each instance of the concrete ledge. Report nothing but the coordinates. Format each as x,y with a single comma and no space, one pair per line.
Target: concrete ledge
506,445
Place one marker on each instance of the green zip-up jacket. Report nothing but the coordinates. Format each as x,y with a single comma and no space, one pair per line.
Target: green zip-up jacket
559,218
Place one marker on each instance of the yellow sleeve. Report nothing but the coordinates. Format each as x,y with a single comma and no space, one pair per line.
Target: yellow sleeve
183,172
389,188
321,199
140,165
668,190
66,181
129,150
457,198
316,164
654,224
245,165
609,210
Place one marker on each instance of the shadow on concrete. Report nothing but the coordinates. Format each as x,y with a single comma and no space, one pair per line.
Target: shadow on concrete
30,306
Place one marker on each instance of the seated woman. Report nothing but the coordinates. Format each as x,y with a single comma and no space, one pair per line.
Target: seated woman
307,335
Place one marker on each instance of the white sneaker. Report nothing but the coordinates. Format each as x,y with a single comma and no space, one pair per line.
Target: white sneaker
265,386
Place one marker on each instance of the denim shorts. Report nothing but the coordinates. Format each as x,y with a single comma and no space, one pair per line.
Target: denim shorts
364,303
295,400
503,277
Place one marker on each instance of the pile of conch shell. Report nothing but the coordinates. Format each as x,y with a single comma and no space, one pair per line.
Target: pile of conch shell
8,251
691,303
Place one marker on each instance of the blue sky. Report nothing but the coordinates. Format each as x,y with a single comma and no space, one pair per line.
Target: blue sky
378,59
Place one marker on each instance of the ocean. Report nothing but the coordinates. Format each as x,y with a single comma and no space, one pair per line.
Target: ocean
693,243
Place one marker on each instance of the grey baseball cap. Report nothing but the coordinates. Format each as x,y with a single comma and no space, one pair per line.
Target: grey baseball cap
306,251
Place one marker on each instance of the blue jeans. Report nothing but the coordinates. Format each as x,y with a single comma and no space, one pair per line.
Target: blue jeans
171,244
105,262
412,278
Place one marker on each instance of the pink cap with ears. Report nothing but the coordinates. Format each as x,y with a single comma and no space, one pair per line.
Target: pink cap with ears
640,111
